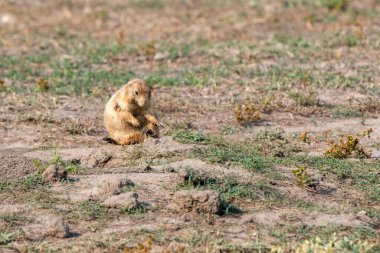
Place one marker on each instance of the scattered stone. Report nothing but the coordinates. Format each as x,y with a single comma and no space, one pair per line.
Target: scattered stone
47,226
194,200
109,188
128,200
160,56
198,176
97,158
55,173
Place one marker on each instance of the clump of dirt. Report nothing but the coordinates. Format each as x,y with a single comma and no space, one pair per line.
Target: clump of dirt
14,166
194,200
47,226
55,173
127,200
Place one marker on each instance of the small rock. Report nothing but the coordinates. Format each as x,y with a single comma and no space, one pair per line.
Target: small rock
194,200
47,227
198,177
126,200
160,56
55,173
109,188
95,159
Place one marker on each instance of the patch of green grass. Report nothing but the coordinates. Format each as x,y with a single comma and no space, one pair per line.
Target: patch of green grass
4,186
192,137
33,181
136,212
297,42
91,210
362,175
342,112
243,156
11,217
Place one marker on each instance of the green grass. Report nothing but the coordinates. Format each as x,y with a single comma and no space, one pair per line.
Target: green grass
342,112
192,137
11,217
362,175
32,181
91,210
246,157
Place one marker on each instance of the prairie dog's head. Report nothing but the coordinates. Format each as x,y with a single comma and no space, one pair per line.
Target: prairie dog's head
139,92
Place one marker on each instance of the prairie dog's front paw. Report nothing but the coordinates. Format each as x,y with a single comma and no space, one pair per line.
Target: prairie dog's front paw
135,123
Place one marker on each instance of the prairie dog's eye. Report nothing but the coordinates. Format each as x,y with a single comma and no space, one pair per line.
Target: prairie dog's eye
137,93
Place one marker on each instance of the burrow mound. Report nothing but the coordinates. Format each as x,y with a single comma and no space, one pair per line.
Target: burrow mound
14,166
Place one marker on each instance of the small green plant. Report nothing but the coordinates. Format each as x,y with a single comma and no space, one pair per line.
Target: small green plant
91,210
335,4
267,104
136,211
351,40
42,85
5,238
348,146
247,113
271,134
303,179
308,98
33,181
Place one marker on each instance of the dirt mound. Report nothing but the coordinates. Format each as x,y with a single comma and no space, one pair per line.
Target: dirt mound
110,156
14,166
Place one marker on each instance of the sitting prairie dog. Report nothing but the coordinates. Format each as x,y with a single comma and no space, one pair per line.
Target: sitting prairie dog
129,115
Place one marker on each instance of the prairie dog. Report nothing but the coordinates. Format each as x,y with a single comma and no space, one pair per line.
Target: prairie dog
129,116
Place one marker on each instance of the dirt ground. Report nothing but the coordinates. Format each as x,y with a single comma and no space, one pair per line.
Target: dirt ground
252,95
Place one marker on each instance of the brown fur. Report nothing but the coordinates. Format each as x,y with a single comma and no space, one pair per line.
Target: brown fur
129,117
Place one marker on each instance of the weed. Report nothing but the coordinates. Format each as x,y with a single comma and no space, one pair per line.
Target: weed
6,238
351,40
302,177
267,104
271,135
148,49
348,146
42,85
335,4
33,181
247,113
303,137
308,98
136,211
